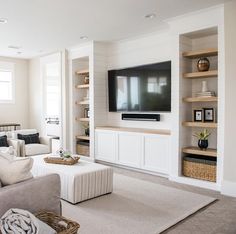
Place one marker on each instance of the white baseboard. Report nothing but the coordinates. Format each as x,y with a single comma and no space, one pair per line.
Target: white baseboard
228,188
195,182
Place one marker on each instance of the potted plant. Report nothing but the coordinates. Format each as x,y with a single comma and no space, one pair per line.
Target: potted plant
86,129
202,139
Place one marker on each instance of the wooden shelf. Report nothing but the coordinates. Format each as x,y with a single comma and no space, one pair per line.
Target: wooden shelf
199,124
201,53
139,130
82,72
84,86
83,137
196,150
206,74
82,102
200,99
83,119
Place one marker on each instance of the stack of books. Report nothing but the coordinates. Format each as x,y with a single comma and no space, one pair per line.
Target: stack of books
206,94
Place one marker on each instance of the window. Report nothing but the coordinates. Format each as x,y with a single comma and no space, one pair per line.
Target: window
6,82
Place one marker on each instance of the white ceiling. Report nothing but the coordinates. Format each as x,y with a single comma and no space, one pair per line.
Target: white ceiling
42,26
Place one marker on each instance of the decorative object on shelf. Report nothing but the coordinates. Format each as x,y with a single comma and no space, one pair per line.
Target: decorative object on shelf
205,92
86,80
203,64
208,115
86,112
197,115
202,139
86,129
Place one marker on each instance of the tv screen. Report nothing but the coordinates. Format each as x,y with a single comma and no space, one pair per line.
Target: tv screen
144,88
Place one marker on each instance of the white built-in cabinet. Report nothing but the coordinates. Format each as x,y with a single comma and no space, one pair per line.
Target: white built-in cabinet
149,152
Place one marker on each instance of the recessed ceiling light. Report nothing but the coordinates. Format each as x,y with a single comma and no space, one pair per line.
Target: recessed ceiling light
19,52
3,20
150,16
14,47
83,37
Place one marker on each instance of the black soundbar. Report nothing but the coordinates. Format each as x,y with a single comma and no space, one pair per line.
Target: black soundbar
141,117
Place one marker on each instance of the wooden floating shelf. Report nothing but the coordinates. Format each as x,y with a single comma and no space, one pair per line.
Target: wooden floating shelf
83,138
200,99
196,150
83,119
201,53
199,124
82,102
84,86
206,74
82,72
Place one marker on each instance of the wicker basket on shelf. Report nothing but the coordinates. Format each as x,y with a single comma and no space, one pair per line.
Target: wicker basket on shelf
203,168
60,224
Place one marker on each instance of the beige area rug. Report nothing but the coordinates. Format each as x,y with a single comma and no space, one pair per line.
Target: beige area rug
135,207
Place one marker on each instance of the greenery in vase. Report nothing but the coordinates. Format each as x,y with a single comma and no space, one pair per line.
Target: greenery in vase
202,135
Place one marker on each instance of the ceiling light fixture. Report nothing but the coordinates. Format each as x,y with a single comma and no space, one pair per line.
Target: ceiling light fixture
14,47
83,37
150,16
19,52
3,20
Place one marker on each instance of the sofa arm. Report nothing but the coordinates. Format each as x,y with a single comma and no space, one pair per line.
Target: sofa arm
46,141
16,146
34,195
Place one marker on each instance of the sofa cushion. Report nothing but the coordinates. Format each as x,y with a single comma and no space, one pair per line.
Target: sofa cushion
34,149
3,149
30,138
23,132
13,169
3,141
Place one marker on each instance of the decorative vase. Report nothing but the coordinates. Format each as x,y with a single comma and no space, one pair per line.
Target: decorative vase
203,144
204,86
203,64
86,131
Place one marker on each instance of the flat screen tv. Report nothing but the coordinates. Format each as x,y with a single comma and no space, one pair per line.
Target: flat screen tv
144,88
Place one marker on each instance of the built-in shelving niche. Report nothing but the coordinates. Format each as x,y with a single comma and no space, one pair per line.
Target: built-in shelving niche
194,45
80,70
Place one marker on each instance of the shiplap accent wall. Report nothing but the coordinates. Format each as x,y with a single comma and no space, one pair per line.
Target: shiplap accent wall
150,49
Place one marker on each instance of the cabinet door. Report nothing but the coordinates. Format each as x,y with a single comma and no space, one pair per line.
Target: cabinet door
129,149
156,153
105,146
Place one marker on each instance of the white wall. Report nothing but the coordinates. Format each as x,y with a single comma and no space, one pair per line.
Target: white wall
229,174
17,112
147,49
35,95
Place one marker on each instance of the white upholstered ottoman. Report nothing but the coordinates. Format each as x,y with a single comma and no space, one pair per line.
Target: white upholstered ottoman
79,182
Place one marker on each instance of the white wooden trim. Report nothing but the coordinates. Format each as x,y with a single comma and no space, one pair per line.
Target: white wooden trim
228,188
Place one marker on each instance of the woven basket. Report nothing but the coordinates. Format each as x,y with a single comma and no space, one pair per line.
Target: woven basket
60,224
199,168
83,150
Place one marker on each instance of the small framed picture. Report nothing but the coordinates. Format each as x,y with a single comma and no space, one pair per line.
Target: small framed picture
86,112
209,114
197,115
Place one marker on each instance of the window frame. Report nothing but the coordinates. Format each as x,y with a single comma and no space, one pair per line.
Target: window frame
8,66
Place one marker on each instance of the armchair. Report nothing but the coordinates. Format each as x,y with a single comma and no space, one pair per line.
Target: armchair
44,147
11,142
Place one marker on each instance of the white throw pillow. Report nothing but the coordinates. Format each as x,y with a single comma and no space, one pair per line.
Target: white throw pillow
14,169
